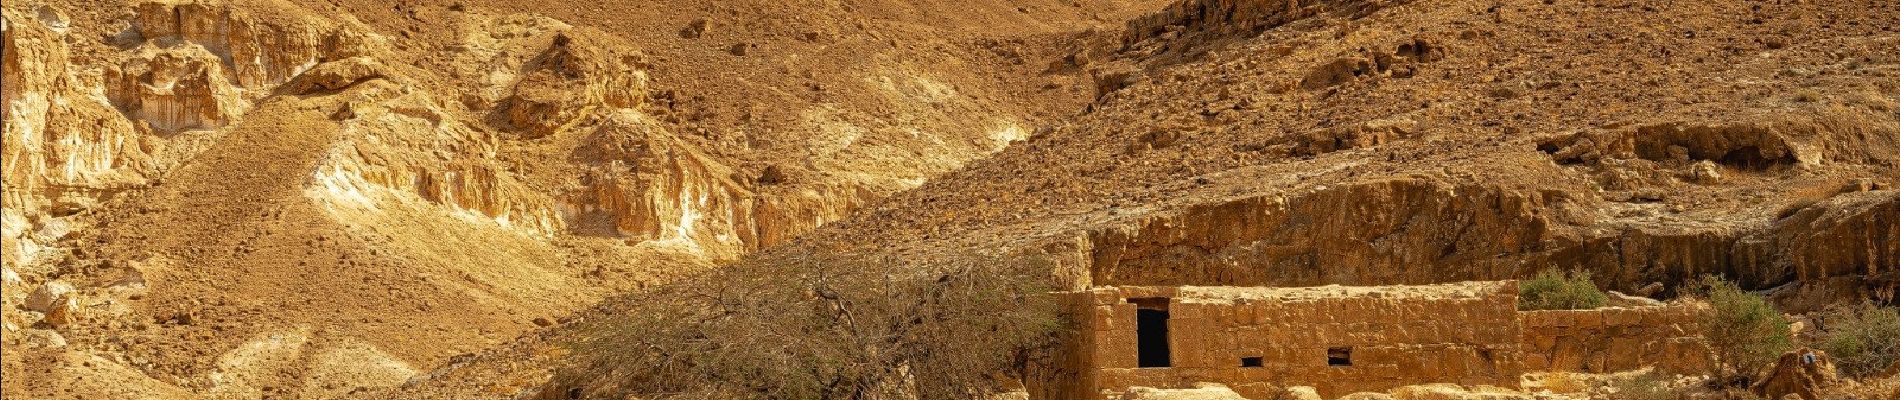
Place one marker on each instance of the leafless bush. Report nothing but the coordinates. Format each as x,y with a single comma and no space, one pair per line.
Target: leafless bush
812,328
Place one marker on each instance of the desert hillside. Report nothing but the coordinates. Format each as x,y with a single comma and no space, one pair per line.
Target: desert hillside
878,199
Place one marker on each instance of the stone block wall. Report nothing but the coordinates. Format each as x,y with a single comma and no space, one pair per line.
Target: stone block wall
1616,339
1397,335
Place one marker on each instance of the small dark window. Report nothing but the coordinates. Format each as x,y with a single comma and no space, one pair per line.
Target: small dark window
1251,362
1339,356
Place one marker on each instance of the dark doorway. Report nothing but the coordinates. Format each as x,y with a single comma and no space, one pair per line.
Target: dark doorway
1252,362
1151,333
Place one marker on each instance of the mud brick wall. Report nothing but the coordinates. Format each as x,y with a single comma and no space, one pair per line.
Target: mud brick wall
1398,335
1616,339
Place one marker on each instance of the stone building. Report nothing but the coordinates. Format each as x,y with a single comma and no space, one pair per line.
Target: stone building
1342,340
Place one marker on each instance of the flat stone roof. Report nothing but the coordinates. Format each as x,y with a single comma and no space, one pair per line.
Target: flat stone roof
1447,291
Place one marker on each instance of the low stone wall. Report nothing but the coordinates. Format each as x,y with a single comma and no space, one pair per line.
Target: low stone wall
1394,335
1616,339
1257,340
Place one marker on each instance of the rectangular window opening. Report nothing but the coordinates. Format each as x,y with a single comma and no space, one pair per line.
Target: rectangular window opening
1151,332
1252,362
1339,356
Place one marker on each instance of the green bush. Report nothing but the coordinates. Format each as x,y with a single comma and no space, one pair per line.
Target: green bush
1746,332
1863,339
1555,290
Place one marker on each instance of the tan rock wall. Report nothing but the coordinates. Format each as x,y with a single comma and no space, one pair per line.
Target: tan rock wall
1244,17
1426,231
1615,339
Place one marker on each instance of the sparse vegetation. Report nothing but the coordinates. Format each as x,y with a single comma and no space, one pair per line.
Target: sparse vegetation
1644,386
1557,290
1863,339
1745,331
823,329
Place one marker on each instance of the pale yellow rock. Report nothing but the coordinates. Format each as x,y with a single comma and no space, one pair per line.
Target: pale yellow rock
1300,393
1206,392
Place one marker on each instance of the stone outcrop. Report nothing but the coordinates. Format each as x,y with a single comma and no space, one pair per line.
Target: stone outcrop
175,89
1203,392
1238,18
566,81
77,133
1811,239
1403,230
1804,373
649,185
261,46
452,165
1415,230
63,143
652,186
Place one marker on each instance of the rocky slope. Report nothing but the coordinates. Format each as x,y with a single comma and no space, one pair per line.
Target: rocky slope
260,199
1388,142
255,198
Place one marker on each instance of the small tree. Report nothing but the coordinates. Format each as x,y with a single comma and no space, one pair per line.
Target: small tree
1556,290
1745,331
1863,339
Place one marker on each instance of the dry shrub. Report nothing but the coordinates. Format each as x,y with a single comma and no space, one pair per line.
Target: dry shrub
1644,386
1862,339
815,328
1554,290
1746,332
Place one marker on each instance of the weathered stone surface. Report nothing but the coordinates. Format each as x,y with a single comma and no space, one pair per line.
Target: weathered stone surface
1203,392
1395,335
336,75
48,296
1299,393
1617,339
1801,373
568,79
1454,392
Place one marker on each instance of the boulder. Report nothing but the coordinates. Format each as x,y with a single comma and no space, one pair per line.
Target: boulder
1446,391
48,296
1803,373
336,75
42,339
1204,391
1299,393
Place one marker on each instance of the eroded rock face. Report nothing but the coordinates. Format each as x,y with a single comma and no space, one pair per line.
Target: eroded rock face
61,137
566,81
180,67
1847,234
261,47
1205,392
658,188
1237,17
177,89
384,158
1802,373
1424,231
651,186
